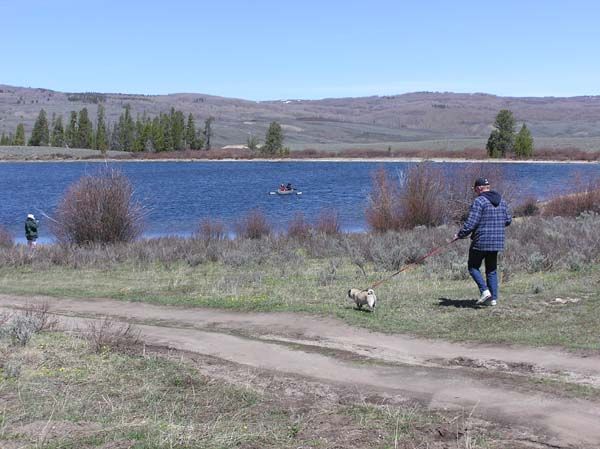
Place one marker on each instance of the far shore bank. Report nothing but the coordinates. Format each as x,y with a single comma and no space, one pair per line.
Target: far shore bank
323,159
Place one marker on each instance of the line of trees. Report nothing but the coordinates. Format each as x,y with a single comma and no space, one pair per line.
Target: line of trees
165,132
504,142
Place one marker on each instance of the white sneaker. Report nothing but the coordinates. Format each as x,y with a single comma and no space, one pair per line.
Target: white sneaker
485,295
493,302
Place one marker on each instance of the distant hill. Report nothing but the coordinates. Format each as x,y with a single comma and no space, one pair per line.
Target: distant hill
409,117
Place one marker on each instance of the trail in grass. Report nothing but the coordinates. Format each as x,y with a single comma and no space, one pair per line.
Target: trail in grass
330,351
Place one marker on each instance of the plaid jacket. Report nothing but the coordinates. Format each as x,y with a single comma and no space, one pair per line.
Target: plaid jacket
486,224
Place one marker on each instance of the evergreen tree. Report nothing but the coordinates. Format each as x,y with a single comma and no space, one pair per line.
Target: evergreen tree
208,132
199,139
177,129
273,140
126,130
165,124
4,140
524,143
71,130
114,143
19,139
156,135
501,140
85,130
190,133
139,139
101,142
40,135
58,132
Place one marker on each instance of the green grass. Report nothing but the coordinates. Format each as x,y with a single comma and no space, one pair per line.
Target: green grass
416,302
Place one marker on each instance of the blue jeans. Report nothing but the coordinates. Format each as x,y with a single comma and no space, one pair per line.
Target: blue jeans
476,257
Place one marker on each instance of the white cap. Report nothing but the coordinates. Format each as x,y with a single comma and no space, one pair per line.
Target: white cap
30,216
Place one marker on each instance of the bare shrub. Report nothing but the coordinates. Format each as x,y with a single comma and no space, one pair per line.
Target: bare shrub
586,198
527,208
383,212
328,222
253,225
210,229
40,316
98,209
22,325
6,238
298,227
421,197
459,194
105,335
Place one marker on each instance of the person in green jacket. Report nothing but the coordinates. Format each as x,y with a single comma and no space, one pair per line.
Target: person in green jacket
31,230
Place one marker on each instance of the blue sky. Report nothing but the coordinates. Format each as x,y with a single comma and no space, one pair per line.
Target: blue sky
265,49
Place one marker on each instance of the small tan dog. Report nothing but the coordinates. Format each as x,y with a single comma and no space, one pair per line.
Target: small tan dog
363,297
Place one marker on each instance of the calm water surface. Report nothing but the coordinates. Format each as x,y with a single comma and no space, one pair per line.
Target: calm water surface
179,194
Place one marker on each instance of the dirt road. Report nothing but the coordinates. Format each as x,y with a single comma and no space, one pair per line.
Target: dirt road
495,382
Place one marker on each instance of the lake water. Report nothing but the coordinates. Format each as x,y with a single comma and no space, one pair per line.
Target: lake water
179,194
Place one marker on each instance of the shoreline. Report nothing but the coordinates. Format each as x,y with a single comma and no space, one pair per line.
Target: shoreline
324,159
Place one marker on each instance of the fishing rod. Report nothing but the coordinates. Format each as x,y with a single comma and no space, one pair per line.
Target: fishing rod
46,215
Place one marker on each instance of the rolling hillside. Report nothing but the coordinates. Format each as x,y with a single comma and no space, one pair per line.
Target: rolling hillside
336,122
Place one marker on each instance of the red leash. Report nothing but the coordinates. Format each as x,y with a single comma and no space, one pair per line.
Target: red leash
434,251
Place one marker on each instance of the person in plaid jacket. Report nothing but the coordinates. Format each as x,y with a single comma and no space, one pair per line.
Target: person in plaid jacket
488,217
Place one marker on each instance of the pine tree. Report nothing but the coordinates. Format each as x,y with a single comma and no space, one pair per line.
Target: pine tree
85,130
273,140
190,133
58,132
177,129
524,143
208,132
157,135
165,124
71,131
126,130
501,140
101,142
19,139
40,135
4,140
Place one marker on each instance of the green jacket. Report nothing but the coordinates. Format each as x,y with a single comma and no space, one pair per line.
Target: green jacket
31,229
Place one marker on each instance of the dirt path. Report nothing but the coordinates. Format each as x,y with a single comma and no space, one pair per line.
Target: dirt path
431,371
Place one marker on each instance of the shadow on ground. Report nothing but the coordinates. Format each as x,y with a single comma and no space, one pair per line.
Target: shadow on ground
459,303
